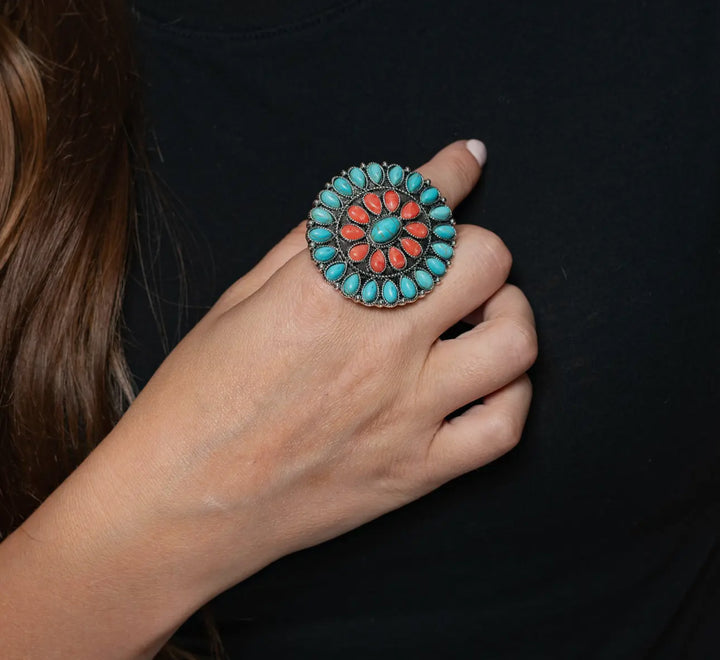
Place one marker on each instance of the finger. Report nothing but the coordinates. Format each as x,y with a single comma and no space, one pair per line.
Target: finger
481,264
489,309
456,169
290,245
461,370
481,434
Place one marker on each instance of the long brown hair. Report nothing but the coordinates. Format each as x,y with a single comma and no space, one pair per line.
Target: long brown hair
70,151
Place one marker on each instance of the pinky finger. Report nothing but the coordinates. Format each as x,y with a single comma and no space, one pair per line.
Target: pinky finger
481,434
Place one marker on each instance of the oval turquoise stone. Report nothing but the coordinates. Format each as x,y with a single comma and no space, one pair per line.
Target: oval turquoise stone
385,230
414,182
375,172
445,232
390,292
442,250
429,195
408,288
320,235
436,266
440,213
342,185
357,176
324,253
395,174
424,279
329,198
335,272
370,291
351,284
322,216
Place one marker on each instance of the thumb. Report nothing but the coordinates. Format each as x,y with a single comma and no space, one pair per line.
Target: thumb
455,170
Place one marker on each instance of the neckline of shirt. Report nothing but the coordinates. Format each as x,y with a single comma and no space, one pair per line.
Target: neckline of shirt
219,19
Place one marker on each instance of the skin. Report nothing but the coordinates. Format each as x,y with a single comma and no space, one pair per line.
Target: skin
288,416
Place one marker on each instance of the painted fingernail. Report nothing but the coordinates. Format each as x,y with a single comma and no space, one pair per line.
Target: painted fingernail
478,150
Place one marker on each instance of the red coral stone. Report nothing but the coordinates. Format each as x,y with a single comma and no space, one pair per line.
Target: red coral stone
392,200
358,252
397,258
372,201
352,232
411,247
409,210
377,261
359,214
417,229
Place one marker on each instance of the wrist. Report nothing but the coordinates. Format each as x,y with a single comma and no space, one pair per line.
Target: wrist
106,566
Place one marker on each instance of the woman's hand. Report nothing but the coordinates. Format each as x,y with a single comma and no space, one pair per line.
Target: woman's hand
288,416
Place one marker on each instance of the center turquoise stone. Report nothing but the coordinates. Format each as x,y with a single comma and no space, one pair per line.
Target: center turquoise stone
385,230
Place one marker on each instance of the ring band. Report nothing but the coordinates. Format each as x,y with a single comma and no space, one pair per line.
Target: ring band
381,234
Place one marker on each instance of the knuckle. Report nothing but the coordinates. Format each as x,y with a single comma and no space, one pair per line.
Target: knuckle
489,248
476,238
523,338
527,384
505,431
317,300
498,251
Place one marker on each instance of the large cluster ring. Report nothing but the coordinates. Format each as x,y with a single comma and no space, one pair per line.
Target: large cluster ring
381,234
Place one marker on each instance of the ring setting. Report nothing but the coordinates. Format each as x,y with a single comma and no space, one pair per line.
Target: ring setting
381,234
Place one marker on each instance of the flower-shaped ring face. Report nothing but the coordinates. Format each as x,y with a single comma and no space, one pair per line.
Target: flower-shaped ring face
381,234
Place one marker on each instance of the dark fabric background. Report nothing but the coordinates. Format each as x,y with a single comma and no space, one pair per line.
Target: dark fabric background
597,537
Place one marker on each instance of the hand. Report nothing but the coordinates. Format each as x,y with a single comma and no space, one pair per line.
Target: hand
290,415
287,416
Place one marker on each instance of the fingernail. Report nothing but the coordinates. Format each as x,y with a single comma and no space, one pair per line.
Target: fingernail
478,150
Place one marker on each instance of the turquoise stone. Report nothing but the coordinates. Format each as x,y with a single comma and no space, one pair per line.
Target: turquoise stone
342,185
440,213
445,232
370,291
390,292
414,182
375,172
429,195
351,284
335,272
386,229
357,176
395,175
442,250
329,198
436,266
324,253
321,215
320,235
408,288
424,279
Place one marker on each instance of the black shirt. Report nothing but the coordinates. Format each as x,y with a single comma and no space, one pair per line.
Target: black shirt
597,537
